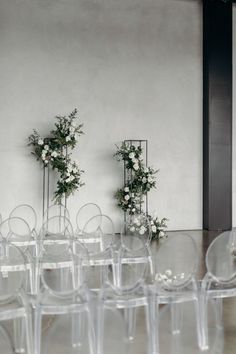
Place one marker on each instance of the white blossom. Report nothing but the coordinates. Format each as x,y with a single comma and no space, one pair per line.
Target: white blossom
126,189
154,229
127,197
132,228
68,138
150,180
144,179
145,170
168,272
136,166
40,141
131,155
133,210
46,147
54,154
161,234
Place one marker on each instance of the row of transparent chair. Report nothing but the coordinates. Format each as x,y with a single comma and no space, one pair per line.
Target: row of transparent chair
169,286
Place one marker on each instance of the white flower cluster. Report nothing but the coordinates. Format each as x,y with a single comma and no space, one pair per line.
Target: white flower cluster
72,170
138,225
135,161
169,278
71,133
47,154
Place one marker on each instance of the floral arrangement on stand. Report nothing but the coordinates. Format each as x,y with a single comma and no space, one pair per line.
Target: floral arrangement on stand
140,180
53,151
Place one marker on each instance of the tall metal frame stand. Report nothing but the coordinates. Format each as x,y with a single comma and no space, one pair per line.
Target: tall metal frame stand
47,199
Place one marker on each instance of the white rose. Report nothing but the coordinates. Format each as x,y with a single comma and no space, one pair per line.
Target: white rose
68,174
46,161
134,160
129,205
154,229
168,272
126,189
131,155
72,129
46,147
145,170
133,210
68,138
151,222
69,169
132,195
54,154
144,179
68,180
44,152
40,141
136,166
141,231
75,169
161,234
132,228
127,197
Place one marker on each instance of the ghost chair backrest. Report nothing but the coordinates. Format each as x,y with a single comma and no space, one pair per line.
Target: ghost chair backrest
221,257
13,270
17,231
176,262
98,239
56,210
85,213
27,213
55,235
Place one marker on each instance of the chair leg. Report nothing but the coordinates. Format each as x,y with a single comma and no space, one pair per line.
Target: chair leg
29,333
176,317
152,320
91,333
100,328
219,312
130,320
19,335
202,320
77,329
37,331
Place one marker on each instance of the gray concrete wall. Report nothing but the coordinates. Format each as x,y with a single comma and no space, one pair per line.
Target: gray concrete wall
133,68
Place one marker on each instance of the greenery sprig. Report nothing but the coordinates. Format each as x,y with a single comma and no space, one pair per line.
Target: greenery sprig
53,151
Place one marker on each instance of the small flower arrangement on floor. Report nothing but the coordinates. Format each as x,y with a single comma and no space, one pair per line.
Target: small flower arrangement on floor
53,151
140,180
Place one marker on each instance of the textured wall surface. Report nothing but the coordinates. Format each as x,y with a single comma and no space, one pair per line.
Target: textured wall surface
133,68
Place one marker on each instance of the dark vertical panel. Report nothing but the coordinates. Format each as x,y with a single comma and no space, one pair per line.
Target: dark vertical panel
217,115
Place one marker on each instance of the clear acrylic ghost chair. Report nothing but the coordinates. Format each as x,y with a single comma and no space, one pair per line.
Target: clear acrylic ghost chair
27,213
102,240
55,237
56,210
125,290
64,293
220,279
15,230
175,282
136,234
13,300
85,213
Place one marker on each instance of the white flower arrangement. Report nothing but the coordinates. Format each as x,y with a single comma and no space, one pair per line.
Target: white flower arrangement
141,179
50,151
